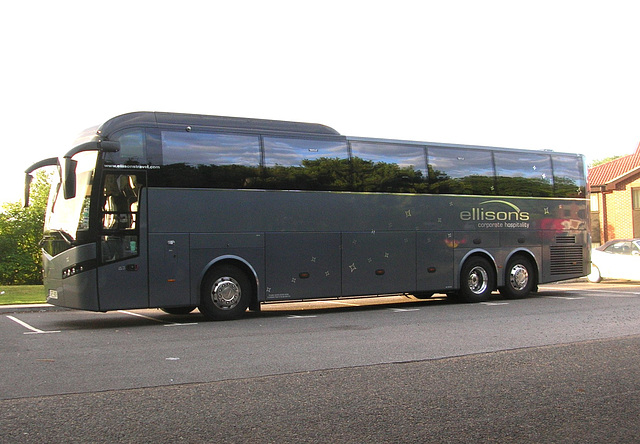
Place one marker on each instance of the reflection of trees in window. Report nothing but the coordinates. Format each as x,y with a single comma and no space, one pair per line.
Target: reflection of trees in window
568,176
567,187
324,174
334,174
524,186
523,174
460,171
369,176
441,183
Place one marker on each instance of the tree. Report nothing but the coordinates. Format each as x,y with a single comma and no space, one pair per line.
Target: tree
20,234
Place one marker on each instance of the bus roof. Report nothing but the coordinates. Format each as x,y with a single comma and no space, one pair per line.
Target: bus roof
196,120
184,121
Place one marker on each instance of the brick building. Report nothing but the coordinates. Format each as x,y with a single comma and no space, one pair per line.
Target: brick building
615,199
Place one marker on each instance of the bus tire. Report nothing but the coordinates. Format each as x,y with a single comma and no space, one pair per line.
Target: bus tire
477,280
519,278
225,295
178,310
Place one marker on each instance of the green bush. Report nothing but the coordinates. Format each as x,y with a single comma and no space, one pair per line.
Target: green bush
20,234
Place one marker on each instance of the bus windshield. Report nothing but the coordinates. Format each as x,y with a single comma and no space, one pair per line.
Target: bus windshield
67,217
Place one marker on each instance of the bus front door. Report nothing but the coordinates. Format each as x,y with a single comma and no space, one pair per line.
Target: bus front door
122,250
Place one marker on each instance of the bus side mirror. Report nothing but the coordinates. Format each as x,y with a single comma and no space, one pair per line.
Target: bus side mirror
69,186
109,146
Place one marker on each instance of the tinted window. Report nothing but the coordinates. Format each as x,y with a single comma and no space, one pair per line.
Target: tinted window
196,149
460,171
303,164
388,167
568,176
132,148
523,174
201,160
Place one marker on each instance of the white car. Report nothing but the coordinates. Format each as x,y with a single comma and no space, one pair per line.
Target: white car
616,259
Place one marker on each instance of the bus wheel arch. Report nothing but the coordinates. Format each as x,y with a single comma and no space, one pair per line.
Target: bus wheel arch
520,275
227,289
477,278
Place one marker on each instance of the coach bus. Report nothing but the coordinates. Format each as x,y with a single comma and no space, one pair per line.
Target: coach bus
180,211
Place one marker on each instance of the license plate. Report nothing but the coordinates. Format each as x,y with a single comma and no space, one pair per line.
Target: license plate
53,294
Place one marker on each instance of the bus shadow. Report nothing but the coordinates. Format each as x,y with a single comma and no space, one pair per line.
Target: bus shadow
346,305
116,320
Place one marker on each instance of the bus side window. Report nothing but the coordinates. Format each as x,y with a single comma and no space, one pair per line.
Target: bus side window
524,174
305,164
119,216
388,167
208,160
568,176
460,171
120,194
132,148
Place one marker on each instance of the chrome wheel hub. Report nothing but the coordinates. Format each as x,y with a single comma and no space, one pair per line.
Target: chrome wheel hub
226,293
478,280
519,277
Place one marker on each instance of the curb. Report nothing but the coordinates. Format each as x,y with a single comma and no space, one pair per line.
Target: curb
25,308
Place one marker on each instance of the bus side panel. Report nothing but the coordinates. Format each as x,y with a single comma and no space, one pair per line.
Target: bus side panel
435,260
378,262
513,242
169,270
302,265
485,243
243,249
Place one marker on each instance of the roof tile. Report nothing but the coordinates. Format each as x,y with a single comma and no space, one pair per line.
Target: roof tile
606,172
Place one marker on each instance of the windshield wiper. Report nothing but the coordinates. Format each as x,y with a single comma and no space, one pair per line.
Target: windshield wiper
67,237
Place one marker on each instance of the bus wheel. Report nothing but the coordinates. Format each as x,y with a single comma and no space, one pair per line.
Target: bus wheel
226,292
178,310
476,280
519,278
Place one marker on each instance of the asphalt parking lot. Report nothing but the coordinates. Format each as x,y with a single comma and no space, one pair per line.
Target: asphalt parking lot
561,366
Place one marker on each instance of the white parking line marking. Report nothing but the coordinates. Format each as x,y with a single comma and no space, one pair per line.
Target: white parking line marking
179,324
300,317
494,303
166,323
141,316
567,298
29,327
626,294
402,310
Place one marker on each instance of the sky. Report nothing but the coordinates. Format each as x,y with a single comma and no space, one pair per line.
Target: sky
559,75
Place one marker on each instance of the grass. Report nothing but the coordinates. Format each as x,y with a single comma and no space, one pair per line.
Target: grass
22,294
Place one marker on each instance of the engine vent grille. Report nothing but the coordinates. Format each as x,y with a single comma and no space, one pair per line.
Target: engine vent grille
565,239
566,259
